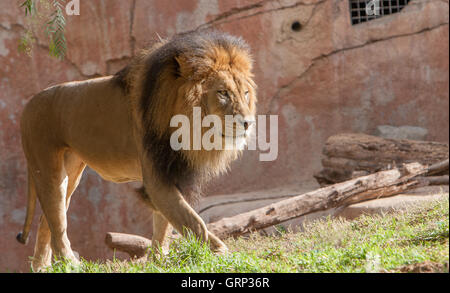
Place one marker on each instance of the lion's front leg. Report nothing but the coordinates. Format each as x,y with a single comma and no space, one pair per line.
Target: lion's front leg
171,204
216,244
162,228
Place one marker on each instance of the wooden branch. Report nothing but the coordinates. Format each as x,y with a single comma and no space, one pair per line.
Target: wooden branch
433,180
438,168
378,185
381,184
135,246
350,155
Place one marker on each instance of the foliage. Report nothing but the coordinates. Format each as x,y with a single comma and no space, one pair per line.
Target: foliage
30,7
374,243
50,14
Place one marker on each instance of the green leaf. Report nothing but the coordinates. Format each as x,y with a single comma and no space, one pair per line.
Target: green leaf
30,7
55,28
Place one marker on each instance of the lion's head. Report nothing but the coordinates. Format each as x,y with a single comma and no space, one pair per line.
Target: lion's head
209,70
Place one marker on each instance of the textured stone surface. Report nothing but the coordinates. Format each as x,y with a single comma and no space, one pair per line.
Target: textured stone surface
402,132
327,78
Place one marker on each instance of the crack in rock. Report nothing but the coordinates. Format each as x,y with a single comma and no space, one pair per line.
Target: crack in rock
314,61
225,17
234,11
132,18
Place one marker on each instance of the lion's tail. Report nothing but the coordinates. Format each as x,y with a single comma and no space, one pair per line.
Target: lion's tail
31,205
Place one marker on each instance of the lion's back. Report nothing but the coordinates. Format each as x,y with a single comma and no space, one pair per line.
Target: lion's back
71,113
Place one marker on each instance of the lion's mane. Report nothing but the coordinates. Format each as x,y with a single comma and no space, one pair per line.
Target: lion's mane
166,80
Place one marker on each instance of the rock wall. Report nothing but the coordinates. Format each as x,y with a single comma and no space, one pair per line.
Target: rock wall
322,77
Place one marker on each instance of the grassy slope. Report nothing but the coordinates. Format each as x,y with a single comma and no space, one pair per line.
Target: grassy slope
368,244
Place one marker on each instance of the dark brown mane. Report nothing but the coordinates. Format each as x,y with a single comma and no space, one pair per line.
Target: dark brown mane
171,166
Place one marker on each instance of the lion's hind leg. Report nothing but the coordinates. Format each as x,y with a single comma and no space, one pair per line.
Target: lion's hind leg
42,250
42,257
51,182
161,229
74,167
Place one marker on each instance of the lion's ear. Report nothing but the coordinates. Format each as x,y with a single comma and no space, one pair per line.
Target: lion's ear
192,67
183,67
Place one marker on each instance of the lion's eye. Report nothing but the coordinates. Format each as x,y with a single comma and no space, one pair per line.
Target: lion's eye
223,93
246,96
223,96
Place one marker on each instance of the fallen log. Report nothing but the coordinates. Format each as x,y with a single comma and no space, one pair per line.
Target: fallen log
381,184
351,155
434,180
135,246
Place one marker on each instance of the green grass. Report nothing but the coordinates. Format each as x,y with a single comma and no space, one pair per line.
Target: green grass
367,244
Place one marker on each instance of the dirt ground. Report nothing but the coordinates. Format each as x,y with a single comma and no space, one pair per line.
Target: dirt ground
423,267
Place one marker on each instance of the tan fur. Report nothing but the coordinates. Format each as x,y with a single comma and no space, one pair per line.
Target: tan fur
96,123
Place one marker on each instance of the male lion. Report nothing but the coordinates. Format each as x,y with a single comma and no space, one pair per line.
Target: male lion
120,126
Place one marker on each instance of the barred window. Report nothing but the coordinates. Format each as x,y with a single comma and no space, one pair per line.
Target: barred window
376,9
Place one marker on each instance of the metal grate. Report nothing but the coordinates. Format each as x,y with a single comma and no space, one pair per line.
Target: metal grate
376,9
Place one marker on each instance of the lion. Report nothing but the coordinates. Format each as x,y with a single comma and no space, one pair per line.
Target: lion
119,126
